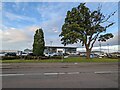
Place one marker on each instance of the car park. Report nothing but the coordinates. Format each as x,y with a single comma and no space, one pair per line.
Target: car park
10,54
56,54
2,54
49,54
93,55
30,54
24,54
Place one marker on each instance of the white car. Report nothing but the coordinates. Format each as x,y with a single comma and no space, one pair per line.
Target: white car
2,54
24,54
49,54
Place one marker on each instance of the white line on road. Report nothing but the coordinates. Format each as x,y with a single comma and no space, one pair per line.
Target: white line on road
50,73
105,72
73,73
58,73
11,74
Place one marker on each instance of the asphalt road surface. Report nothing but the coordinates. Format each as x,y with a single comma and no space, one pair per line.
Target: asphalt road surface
60,75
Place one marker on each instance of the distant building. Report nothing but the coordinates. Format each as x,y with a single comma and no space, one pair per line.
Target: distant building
115,54
98,52
27,51
9,51
60,49
48,49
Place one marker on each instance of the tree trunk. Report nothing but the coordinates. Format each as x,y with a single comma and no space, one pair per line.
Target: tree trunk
88,53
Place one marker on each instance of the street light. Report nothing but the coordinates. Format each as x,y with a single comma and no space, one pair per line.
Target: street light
51,46
83,48
100,47
51,43
108,48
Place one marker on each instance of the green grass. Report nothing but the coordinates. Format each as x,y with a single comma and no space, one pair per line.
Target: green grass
67,60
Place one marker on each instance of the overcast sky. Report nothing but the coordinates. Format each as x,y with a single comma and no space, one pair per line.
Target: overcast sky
21,19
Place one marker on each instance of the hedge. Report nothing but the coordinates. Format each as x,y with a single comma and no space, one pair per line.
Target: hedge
30,57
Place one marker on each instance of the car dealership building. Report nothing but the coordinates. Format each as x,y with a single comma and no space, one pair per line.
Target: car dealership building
62,49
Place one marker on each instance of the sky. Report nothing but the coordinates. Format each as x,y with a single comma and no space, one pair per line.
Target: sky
21,19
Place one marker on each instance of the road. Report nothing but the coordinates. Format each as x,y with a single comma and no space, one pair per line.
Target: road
60,75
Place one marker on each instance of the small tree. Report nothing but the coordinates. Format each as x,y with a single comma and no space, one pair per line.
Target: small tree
85,26
39,44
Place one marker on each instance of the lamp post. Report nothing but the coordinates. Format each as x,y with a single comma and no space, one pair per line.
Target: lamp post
83,48
100,47
108,48
51,46
51,43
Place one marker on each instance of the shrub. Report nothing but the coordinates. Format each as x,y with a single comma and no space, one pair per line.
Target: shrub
56,57
10,57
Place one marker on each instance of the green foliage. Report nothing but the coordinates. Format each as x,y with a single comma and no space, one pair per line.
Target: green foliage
67,60
105,37
10,57
39,44
85,26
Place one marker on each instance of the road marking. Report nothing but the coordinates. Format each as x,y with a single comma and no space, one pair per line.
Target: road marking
58,73
105,72
50,73
73,73
11,74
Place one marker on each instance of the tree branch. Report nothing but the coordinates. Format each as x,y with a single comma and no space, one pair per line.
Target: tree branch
95,38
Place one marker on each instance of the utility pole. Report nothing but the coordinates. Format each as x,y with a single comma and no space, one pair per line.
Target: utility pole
51,43
100,47
83,48
108,48
51,46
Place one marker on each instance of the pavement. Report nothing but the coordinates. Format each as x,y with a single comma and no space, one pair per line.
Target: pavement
60,75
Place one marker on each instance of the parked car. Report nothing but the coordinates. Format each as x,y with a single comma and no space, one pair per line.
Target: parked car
24,54
30,54
2,54
56,54
109,55
10,54
93,55
49,54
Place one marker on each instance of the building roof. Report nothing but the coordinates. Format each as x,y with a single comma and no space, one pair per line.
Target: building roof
61,47
9,50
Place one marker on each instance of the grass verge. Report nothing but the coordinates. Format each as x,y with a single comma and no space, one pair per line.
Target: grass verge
67,60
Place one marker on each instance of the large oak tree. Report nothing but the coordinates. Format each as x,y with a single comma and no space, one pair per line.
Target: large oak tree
85,26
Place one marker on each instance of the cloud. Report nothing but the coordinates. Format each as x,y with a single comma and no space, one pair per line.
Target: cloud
53,22
105,49
15,17
50,19
31,29
13,38
13,35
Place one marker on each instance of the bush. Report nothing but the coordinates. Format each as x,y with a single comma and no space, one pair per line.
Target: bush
30,57
56,57
10,57
34,57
